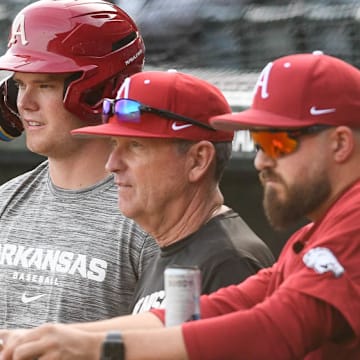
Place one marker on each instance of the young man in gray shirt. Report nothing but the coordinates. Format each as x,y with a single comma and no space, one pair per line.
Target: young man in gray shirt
66,252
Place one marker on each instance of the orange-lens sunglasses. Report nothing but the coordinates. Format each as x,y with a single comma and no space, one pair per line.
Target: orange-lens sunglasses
278,142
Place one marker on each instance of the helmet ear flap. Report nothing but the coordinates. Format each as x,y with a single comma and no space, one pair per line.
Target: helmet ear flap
83,96
88,104
10,123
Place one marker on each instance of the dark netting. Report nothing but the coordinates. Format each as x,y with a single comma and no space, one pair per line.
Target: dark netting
244,35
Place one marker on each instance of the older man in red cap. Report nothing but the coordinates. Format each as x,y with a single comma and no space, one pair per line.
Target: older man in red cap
168,161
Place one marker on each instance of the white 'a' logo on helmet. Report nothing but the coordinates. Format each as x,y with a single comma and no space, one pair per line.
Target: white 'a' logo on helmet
18,30
263,81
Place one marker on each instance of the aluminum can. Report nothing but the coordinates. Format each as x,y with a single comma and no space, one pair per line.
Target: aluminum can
182,290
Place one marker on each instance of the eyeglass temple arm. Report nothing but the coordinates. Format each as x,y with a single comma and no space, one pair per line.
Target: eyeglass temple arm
174,116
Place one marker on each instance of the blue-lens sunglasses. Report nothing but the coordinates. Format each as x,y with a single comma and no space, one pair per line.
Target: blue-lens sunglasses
129,110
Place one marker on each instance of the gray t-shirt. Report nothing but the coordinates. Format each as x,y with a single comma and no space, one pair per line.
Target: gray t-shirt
225,250
66,255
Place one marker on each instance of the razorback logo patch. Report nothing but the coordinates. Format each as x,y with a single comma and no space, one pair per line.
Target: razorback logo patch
322,260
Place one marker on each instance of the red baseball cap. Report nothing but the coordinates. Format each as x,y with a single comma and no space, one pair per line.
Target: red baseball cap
173,91
298,91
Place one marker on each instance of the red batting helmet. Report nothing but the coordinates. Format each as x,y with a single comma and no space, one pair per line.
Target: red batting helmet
93,39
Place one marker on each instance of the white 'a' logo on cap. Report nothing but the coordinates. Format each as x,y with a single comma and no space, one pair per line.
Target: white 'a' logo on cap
18,30
263,81
123,91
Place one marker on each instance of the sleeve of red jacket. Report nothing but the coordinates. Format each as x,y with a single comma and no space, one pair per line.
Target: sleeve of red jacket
286,325
231,298
237,297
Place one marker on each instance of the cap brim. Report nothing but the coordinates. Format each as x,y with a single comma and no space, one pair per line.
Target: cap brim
110,130
253,119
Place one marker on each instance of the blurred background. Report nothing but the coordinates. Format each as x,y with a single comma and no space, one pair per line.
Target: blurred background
226,42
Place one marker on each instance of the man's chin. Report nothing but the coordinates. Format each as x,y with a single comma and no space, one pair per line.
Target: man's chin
127,211
275,210
274,192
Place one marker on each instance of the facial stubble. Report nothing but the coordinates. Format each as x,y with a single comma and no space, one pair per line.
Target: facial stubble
300,199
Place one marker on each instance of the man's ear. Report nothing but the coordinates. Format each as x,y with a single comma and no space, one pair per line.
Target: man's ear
342,143
201,157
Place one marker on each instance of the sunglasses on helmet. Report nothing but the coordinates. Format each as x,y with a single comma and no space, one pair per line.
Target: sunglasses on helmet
127,110
276,143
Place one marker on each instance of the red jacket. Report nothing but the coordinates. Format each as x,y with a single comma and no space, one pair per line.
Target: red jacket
307,306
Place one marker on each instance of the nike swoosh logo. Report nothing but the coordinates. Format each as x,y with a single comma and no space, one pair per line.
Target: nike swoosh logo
315,111
176,127
27,299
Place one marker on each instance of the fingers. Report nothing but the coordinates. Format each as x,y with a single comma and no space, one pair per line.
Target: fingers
13,341
7,337
52,342
31,350
3,336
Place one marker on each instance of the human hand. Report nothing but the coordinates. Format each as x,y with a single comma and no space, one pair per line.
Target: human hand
51,342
